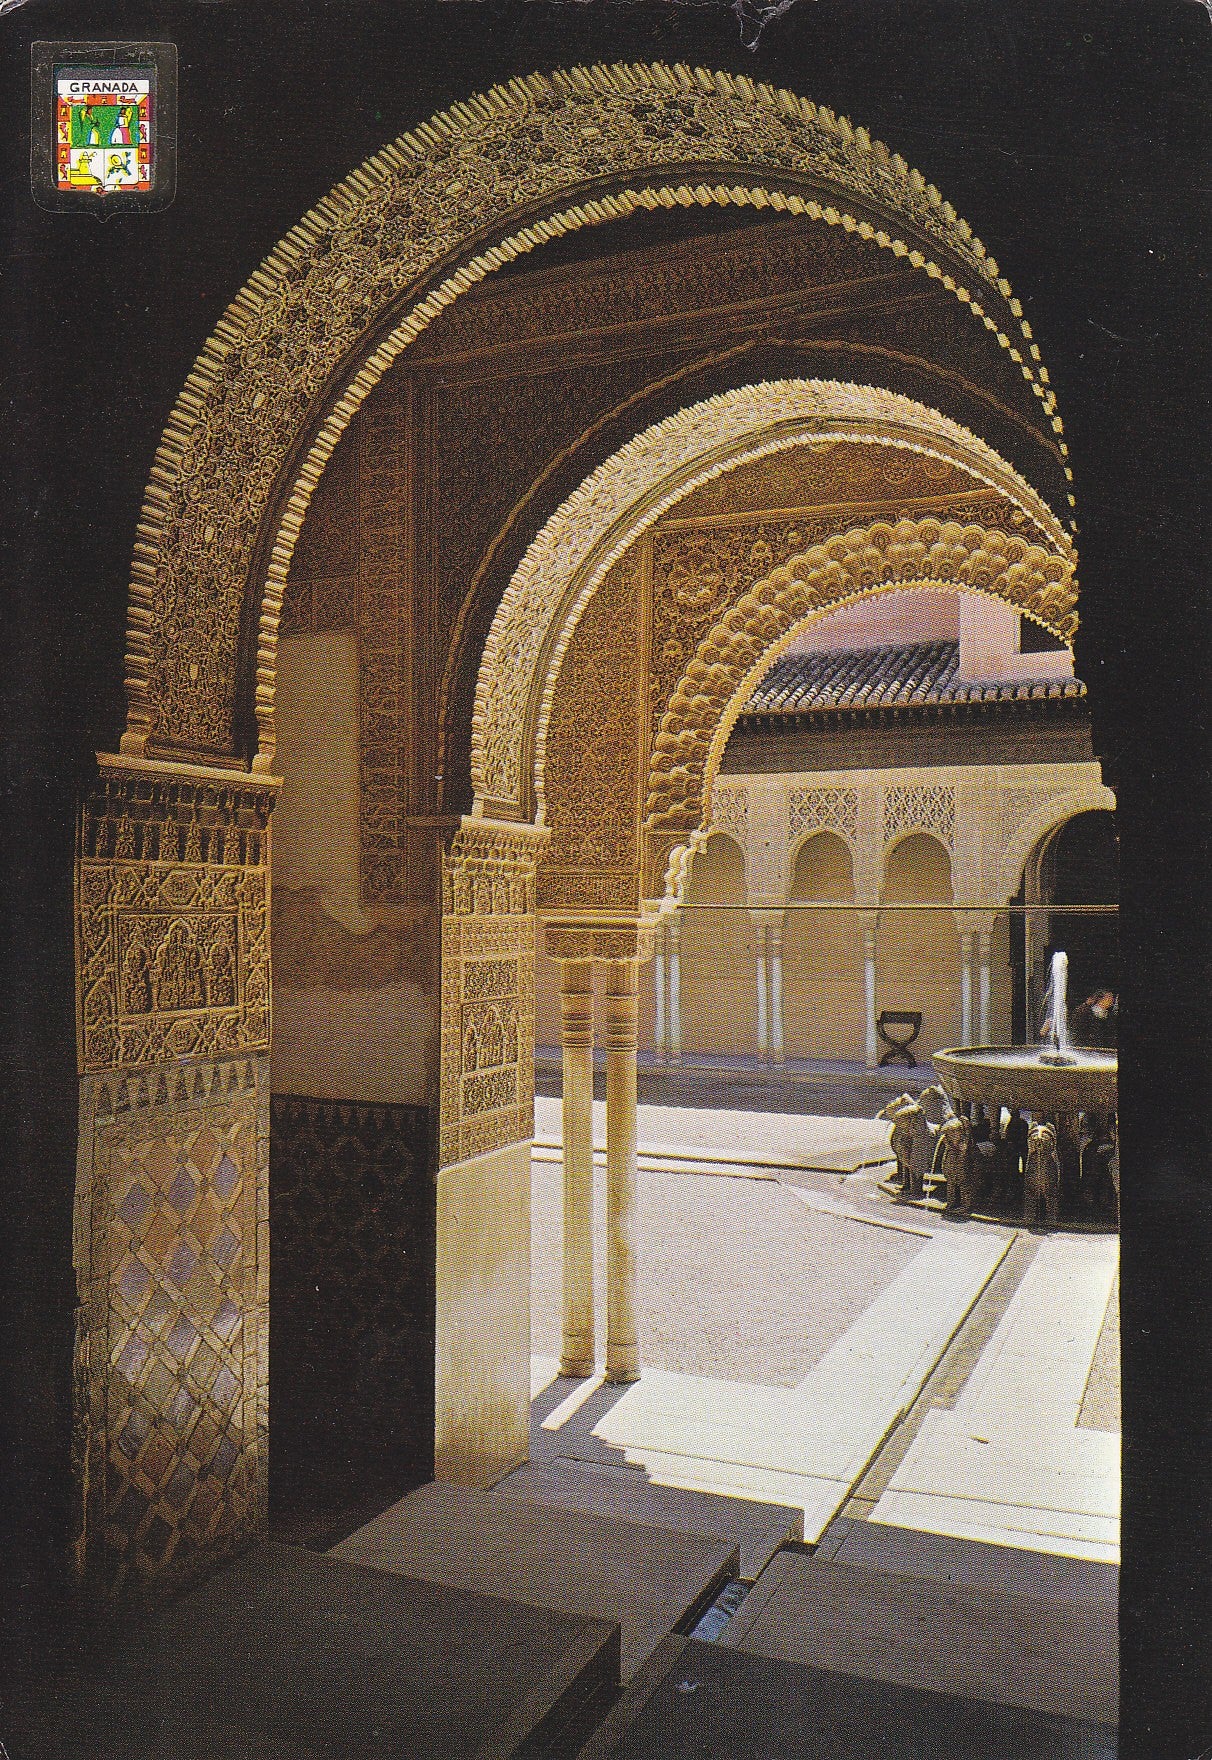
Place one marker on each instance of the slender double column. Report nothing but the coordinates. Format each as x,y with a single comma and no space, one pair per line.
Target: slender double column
869,921
674,943
576,1037
768,947
622,1325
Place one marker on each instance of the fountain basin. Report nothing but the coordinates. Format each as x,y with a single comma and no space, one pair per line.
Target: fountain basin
1016,1076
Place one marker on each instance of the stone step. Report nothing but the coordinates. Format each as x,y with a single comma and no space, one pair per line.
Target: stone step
699,1701
290,1655
651,1580
965,1639
909,1552
758,1529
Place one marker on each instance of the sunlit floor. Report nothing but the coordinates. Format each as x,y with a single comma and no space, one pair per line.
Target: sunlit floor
792,1327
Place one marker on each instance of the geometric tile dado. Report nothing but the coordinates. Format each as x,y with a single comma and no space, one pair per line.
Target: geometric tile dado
172,1311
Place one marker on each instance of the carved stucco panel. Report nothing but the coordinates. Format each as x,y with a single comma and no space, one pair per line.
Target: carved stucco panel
487,995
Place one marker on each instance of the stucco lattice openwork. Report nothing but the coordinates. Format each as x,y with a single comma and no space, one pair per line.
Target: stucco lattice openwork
307,314
631,490
730,813
919,806
728,663
822,809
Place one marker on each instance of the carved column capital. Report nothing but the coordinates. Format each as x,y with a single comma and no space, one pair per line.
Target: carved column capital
604,939
576,1002
622,1004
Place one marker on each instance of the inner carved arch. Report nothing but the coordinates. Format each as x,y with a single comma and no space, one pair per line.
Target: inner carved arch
732,658
629,492
398,241
736,654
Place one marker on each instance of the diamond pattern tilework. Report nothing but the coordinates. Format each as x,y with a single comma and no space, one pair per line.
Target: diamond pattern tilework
174,1233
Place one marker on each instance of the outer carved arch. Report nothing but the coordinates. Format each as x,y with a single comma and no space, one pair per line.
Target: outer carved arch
629,492
420,222
1050,816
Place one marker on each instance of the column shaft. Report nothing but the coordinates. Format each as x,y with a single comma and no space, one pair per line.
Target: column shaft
763,1017
622,1324
576,1010
966,987
675,992
873,1051
985,941
661,1028
776,994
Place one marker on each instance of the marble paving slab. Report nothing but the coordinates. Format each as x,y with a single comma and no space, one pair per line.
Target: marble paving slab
1009,1464
757,1527
573,1561
290,1655
709,1702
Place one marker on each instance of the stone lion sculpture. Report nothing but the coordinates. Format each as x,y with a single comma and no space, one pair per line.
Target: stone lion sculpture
912,1143
1041,1174
956,1161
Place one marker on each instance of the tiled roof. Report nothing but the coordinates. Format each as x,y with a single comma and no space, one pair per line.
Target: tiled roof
884,678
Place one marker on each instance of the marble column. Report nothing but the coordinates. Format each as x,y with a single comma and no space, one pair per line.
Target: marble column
966,987
675,991
576,1037
777,1040
661,1027
869,932
763,1013
622,1323
985,941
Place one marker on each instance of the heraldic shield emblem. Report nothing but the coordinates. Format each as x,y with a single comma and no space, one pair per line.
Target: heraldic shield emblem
106,129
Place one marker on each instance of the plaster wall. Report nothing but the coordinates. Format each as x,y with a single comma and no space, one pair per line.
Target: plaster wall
918,951
355,989
482,1352
823,996
719,955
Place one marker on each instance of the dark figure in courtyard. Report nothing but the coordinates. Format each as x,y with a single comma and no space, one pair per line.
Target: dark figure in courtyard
1094,1023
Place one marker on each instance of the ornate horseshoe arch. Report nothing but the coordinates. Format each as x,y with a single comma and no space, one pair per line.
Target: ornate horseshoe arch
570,557
361,276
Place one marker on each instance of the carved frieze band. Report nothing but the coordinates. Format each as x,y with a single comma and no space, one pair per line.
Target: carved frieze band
172,921
488,932
286,335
